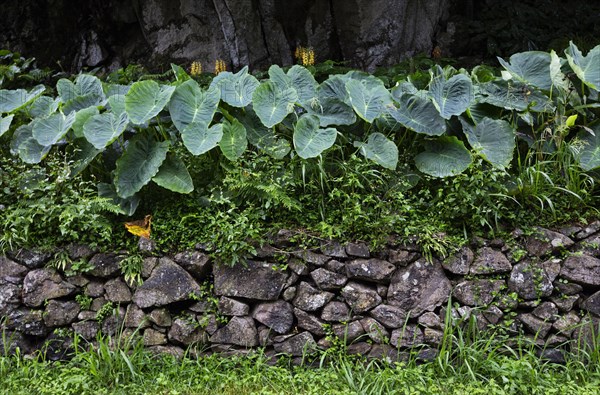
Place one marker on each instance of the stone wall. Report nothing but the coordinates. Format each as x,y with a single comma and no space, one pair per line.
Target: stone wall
544,285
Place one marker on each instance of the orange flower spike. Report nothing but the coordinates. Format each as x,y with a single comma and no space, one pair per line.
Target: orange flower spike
220,66
140,227
196,69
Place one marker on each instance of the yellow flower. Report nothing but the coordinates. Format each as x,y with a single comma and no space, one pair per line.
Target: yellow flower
195,68
304,55
220,66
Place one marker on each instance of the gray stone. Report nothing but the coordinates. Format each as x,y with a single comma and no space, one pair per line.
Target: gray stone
146,246
44,284
289,294
582,269
589,230
552,268
530,281
117,291
334,249
565,303
112,324
382,290
203,306
148,264
390,316
195,262
78,280
432,336
335,311
10,342
360,250
161,317
298,266
534,325
105,265
384,352
27,321
10,295
298,345
592,304
586,333
430,320
493,314
312,257
360,298
168,283
186,331
276,315
86,329
401,257
359,348
490,261
407,336
135,317
545,242
552,355
567,323
420,287
240,331
567,288
232,307
459,263
266,251
328,280
373,270
590,246
309,298
348,332
478,292
309,322
336,267
255,280
173,351
291,280
153,337
265,336
9,268
59,313
86,315
29,258
375,330
94,289
546,311
208,322
79,251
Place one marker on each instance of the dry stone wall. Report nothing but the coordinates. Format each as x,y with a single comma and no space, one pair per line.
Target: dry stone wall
545,285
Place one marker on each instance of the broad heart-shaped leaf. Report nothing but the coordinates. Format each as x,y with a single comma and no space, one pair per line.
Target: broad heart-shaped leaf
513,95
85,92
532,68
279,77
127,206
117,104
83,154
334,87
180,73
452,96
262,137
380,150
589,155
198,138
81,118
102,129
43,106
494,139
369,101
309,140
586,67
27,147
331,111
236,89
190,104
12,100
146,99
174,176
5,123
419,114
443,157
273,104
234,141
48,131
139,163
304,83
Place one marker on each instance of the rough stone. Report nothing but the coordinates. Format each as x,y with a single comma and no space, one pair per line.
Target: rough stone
582,269
29,258
589,230
493,314
334,249
276,315
186,332
112,324
348,331
255,280
78,280
567,323
208,322
432,336
534,325
336,267
265,336
10,296
174,351
202,306
373,270
298,266
375,330
168,283
153,337
289,294
490,261
401,257
135,317
461,262
361,298
360,250
565,303
430,320
194,262
60,313
148,265
586,333
105,265
309,298
291,280
592,304
10,342
530,281
298,345
545,242
79,251
94,289
359,348
27,321
335,311
309,322
384,352
328,280
240,331
567,288
44,284
420,287
232,307
407,336
86,329
390,316
312,257
9,268
552,355
382,290
546,311
117,291
590,246
477,292
552,268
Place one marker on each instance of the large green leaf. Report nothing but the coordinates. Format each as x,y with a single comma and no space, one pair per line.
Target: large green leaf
589,154
234,141
127,206
513,95
380,150
81,117
48,131
146,99
279,77
5,123
273,104
532,68
26,146
443,157
102,129
43,106
139,163
368,100
304,83
198,138
83,154
236,89
587,67
452,96
190,104
116,104
174,176
331,111
262,137
85,92
309,140
12,100
494,139
419,114
335,87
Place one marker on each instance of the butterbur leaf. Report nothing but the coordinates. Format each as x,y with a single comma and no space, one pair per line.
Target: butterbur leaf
43,106
102,129
532,68
198,138
380,150
452,96
443,157
234,141
494,139
81,117
589,154
190,104
279,77
236,89
12,100
48,131
174,176
331,111
586,67
5,123
83,154
272,104
304,83
419,114
26,146
146,99
369,101
310,140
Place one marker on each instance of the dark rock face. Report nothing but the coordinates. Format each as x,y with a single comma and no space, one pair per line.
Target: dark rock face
60,313
336,311
228,306
9,268
310,299
309,322
256,280
117,291
240,331
195,262
389,316
31,259
373,270
360,297
530,281
186,332
44,284
582,269
278,315
296,345
490,261
546,241
328,280
105,265
460,262
477,292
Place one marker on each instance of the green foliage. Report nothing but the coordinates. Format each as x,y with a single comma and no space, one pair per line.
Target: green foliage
131,268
